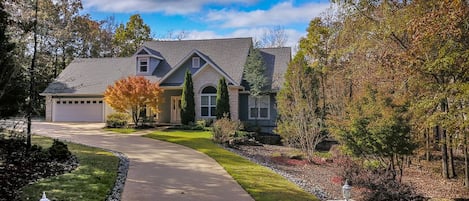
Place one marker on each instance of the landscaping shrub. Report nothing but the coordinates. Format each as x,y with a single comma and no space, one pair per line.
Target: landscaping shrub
19,166
224,130
379,183
59,151
117,120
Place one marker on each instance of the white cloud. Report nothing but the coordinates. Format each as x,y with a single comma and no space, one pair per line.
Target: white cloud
281,14
165,6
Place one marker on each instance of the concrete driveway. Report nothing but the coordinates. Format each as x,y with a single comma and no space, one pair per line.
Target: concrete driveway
158,170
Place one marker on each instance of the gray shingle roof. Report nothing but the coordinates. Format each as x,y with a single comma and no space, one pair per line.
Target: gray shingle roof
229,54
276,62
92,76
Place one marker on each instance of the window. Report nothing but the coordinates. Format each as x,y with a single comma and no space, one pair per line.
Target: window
143,65
208,102
259,108
195,62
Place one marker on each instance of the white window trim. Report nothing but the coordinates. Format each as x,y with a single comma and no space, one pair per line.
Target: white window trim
139,60
195,62
258,107
209,105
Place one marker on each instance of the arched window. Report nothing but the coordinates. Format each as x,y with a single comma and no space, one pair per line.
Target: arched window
208,103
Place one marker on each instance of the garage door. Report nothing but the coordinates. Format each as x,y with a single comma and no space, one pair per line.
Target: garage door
77,110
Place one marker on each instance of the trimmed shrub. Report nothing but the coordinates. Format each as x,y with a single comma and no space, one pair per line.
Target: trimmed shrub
117,120
59,151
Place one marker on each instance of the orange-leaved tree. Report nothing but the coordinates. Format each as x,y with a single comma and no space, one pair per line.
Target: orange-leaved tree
133,94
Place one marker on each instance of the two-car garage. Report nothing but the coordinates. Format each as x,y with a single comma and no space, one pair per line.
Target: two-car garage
77,110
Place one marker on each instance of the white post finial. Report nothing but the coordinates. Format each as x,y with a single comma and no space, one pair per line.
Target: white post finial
44,198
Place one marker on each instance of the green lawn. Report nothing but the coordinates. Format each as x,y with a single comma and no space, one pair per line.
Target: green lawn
121,130
91,181
260,182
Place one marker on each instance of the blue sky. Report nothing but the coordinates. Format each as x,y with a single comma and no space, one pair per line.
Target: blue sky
205,19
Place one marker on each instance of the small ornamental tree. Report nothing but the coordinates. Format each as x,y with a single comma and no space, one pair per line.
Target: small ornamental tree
254,72
187,100
223,99
133,94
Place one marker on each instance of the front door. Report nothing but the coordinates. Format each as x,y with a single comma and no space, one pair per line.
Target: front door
176,109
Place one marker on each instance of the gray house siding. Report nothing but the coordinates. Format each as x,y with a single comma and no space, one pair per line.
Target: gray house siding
165,107
177,78
265,125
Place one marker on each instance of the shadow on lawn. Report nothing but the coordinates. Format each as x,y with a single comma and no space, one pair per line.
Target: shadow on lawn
261,182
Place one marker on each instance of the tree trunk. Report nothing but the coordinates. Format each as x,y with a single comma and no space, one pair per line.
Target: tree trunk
428,154
451,158
32,81
444,154
466,163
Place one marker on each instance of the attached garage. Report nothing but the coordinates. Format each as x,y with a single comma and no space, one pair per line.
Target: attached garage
77,110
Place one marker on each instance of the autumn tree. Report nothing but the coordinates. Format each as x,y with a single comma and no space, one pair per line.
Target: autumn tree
129,37
187,100
134,94
223,99
299,121
437,55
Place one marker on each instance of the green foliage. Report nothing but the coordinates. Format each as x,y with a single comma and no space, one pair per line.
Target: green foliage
225,129
260,182
187,100
223,99
12,87
299,121
128,38
59,151
254,72
117,120
377,128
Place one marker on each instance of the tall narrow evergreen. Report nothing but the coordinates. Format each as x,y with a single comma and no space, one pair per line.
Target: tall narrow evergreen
187,100
223,99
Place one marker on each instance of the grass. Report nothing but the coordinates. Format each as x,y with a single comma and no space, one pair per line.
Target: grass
260,182
92,180
121,130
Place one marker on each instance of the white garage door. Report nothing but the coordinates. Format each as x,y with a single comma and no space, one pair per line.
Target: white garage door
77,110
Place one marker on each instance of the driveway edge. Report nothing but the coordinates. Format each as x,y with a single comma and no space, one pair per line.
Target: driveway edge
116,192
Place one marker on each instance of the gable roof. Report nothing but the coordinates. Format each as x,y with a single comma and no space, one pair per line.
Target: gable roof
91,76
208,62
228,54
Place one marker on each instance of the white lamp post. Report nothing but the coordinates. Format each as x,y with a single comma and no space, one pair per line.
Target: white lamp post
346,191
44,198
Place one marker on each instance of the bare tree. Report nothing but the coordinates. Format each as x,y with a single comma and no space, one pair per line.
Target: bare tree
273,37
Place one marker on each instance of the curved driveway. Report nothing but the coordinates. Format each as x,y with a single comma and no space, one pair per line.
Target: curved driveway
159,171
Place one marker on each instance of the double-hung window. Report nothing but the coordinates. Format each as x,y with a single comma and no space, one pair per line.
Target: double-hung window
195,62
259,108
208,102
143,65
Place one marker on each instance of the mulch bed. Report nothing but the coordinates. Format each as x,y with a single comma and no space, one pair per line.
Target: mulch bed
326,174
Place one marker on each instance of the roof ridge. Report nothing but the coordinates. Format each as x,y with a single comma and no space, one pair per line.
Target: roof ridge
208,39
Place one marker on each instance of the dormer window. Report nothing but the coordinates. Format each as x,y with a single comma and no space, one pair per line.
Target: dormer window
195,62
143,65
